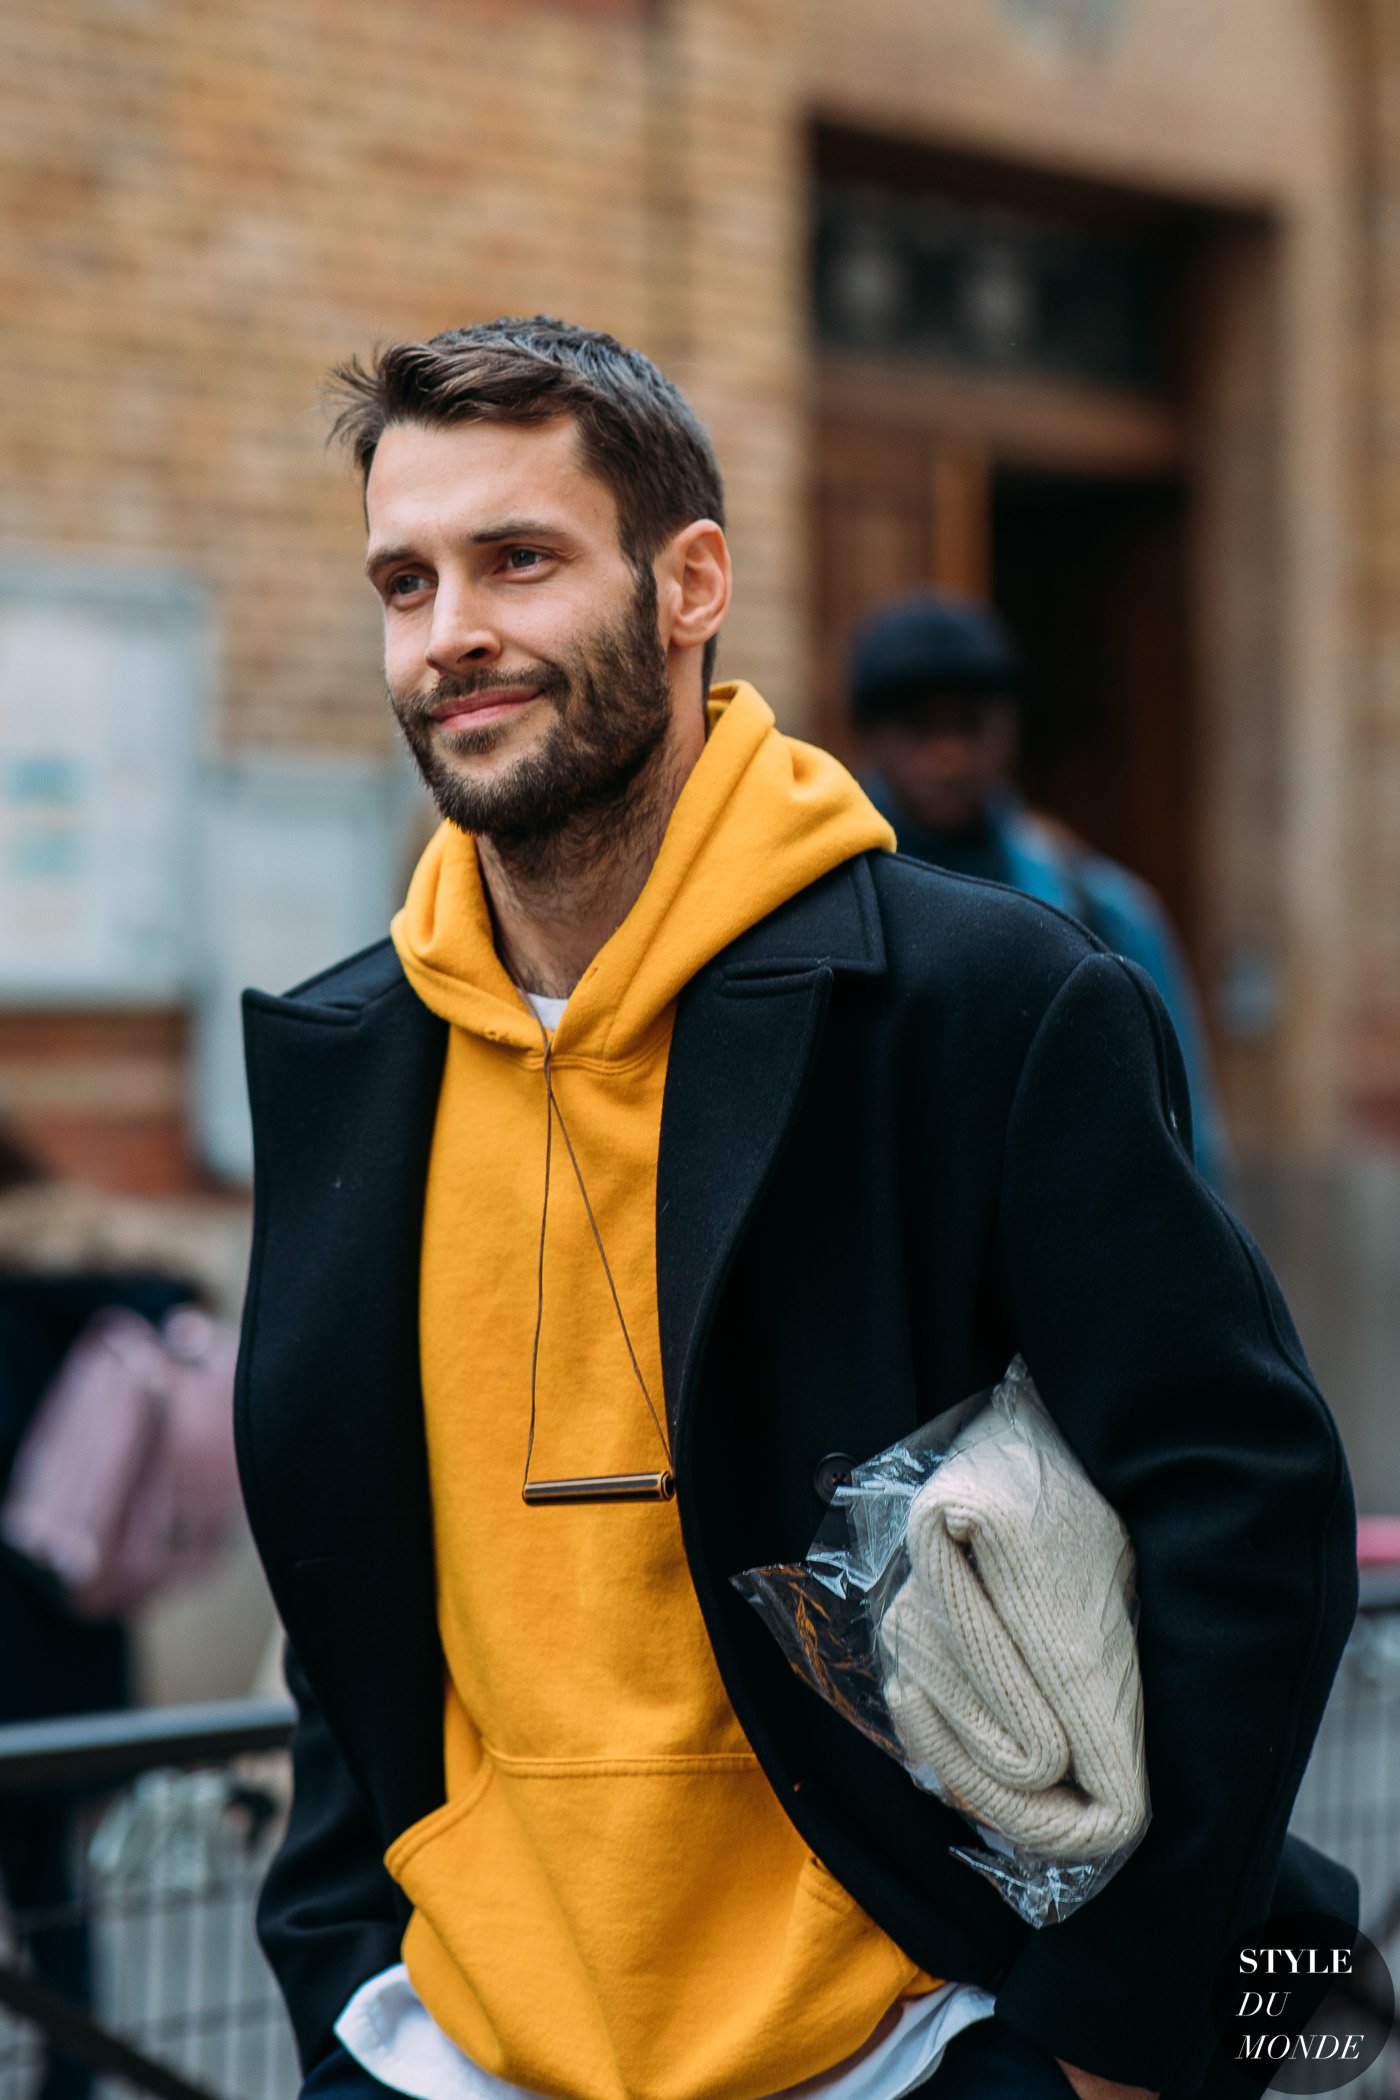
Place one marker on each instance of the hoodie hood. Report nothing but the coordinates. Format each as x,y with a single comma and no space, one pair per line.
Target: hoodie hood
761,817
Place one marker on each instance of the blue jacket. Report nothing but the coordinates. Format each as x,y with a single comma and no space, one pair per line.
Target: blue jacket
1121,910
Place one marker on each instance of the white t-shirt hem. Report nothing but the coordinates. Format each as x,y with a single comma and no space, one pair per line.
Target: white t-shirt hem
391,2034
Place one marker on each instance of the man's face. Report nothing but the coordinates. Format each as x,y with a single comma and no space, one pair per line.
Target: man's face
945,759
521,648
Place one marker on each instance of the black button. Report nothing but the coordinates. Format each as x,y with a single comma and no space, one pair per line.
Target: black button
832,1472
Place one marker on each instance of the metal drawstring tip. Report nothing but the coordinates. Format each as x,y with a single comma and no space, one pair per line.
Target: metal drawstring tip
601,1487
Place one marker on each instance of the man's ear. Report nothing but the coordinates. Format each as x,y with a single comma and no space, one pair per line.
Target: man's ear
693,585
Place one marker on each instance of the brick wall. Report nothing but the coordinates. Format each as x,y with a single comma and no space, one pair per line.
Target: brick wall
102,1097
223,200
219,200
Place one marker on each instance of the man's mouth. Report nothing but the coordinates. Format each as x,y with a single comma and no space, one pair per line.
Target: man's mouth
475,710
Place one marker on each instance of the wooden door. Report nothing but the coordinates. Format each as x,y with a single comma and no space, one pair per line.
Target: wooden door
896,511
1083,551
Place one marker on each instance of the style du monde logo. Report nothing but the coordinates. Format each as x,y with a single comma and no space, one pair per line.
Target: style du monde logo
1304,2004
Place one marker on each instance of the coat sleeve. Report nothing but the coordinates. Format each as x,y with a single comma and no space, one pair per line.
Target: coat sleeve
1161,1344
329,1916
1130,918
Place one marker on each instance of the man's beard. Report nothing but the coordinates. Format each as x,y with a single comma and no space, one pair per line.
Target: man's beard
611,697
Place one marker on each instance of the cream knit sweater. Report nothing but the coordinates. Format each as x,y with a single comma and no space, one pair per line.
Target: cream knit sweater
1010,1660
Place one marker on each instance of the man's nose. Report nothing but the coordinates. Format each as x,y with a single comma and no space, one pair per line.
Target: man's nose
461,634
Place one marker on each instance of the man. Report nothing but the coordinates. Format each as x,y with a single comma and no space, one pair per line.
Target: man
684,1145
936,686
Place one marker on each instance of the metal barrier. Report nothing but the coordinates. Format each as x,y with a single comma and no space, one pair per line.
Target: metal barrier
143,1974
130,1964
1349,1804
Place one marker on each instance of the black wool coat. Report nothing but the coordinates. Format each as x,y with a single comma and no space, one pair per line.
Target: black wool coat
912,1125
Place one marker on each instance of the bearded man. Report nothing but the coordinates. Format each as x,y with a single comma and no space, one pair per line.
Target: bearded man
683,1146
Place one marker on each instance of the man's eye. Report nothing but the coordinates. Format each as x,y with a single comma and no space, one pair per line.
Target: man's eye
407,585
523,558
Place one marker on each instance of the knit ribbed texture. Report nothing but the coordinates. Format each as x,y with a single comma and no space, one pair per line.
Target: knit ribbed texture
1011,1665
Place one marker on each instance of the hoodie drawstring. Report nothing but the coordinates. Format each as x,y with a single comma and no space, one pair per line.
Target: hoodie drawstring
593,1487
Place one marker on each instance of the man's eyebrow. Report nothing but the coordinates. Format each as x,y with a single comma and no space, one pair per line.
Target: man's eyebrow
487,536
516,529
381,557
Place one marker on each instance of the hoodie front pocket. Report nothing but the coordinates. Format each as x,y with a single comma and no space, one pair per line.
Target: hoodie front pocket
683,1936
428,1829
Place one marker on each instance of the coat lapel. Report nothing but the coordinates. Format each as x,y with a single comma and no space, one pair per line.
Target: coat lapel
747,1030
329,1406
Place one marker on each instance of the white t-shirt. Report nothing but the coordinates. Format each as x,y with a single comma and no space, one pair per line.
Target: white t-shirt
550,1011
389,2031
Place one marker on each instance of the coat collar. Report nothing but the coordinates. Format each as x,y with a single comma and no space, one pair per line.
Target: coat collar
834,924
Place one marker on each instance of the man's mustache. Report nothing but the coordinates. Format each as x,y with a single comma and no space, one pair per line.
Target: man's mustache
550,681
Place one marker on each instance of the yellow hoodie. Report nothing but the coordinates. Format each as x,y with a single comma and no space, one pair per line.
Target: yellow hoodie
611,1905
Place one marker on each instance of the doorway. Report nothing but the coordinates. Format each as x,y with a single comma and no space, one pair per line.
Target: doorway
1090,574
1086,558
1007,407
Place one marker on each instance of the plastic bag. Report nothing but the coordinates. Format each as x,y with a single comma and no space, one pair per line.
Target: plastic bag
969,1604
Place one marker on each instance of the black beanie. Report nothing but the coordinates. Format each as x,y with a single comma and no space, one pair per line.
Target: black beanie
930,644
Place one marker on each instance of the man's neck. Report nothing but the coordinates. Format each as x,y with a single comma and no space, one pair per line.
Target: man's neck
556,901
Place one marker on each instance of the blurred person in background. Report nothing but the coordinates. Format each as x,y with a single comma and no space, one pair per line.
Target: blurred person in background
682,1140
70,1259
937,686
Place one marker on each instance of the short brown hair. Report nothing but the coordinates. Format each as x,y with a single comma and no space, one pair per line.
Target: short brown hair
637,432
